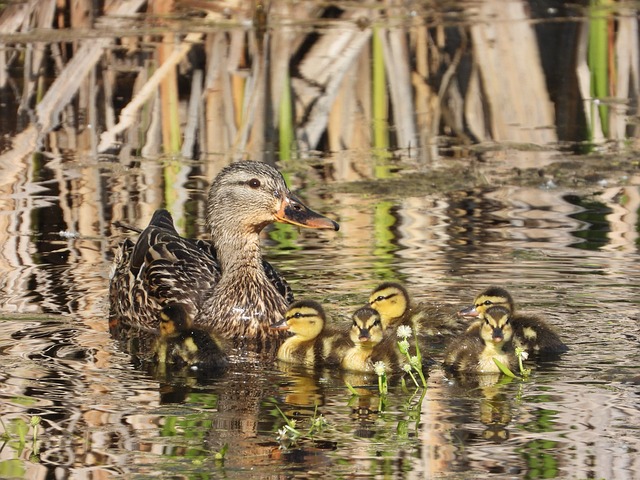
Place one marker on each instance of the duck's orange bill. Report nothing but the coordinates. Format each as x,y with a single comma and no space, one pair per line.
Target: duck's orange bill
293,211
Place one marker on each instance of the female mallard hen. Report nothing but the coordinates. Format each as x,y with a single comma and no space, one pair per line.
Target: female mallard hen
392,301
224,285
313,342
181,344
530,332
487,338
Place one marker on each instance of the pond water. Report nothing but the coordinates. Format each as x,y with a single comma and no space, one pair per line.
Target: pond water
553,217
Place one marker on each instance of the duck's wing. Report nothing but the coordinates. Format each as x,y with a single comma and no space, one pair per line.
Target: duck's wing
162,267
278,281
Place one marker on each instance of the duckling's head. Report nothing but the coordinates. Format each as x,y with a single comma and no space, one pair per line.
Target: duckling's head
247,196
305,318
496,325
391,301
366,330
492,296
174,319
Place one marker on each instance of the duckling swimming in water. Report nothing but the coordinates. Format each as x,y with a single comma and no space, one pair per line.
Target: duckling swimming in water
487,338
369,347
392,301
313,342
530,332
181,344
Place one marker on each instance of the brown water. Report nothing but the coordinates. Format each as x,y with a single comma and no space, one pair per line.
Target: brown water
447,218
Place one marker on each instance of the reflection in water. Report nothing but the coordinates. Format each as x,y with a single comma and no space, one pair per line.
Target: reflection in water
97,402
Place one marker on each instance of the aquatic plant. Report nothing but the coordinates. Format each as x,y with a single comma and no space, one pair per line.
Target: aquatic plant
414,361
522,355
381,371
289,434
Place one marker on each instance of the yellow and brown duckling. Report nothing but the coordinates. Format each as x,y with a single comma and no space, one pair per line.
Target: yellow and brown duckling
313,342
392,301
487,338
181,344
530,332
369,343
224,284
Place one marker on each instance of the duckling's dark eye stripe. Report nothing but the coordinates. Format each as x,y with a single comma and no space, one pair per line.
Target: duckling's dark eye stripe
301,315
385,297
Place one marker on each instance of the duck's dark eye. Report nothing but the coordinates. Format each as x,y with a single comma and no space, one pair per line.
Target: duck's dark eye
254,183
297,315
488,302
377,322
379,298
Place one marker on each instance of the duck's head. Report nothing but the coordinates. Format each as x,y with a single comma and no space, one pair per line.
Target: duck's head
249,195
496,325
174,319
390,300
367,328
492,296
305,318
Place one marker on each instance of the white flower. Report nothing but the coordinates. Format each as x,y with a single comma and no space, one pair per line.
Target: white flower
379,368
406,367
415,362
404,331
282,434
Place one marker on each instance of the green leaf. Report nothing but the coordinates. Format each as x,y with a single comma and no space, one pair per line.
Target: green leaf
503,368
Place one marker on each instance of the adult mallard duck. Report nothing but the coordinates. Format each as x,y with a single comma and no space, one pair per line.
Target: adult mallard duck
530,332
224,284
487,338
313,342
392,301
180,344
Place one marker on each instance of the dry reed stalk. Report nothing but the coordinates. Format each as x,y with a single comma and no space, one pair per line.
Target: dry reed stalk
216,91
426,103
326,65
506,51
252,132
397,61
193,115
168,85
350,120
627,56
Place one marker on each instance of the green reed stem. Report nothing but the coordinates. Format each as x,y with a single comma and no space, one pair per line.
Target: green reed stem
598,59
285,123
